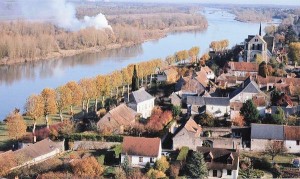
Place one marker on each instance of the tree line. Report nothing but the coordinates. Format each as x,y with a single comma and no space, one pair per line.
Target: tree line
53,101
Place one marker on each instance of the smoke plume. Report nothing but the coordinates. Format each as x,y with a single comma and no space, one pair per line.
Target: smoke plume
60,13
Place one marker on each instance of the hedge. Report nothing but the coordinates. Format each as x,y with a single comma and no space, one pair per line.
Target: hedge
95,137
183,153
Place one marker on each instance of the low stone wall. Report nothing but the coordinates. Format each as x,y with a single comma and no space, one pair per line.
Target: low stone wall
93,145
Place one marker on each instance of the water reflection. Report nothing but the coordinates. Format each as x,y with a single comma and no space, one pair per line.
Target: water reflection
48,68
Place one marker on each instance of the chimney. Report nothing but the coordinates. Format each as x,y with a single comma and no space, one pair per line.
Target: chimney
34,139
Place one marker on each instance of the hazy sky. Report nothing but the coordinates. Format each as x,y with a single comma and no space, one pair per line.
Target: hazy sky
275,2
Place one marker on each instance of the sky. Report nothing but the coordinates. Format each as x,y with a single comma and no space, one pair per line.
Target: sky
274,2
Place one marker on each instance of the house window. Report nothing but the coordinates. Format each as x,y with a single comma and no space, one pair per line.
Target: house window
297,142
215,173
229,160
229,172
140,159
151,160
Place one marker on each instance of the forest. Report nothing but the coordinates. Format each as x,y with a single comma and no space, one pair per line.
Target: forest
23,41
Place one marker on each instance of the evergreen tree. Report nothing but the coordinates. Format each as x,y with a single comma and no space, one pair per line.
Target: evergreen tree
196,166
290,35
249,112
263,69
135,80
279,116
126,165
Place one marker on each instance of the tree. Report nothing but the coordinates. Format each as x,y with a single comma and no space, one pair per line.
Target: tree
126,166
279,116
294,51
205,119
274,148
135,80
63,99
119,173
204,58
49,100
176,110
34,108
174,170
170,59
88,167
88,88
275,96
162,164
249,112
290,35
238,121
76,94
196,166
263,69
155,174
16,126
193,53
7,162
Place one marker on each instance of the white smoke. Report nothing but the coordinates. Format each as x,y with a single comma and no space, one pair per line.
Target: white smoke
61,13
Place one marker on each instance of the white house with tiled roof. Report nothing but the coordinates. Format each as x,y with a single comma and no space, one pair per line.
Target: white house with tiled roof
141,150
142,102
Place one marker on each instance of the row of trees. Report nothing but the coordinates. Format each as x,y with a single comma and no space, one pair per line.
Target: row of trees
219,45
51,101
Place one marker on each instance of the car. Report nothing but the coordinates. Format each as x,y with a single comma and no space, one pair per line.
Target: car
296,162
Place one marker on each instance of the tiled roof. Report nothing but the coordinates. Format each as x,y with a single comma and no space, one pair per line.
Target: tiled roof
219,158
170,71
141,146
140,96
193,127
292,132
259,100
195,100
175,99
121,115
191,85
38,149
267,131
202,78
243,66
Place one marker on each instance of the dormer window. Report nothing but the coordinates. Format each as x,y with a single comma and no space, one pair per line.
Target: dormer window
209,157
230,159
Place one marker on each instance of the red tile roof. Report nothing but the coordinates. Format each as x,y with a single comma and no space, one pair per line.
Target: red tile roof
243,66
141,146
291,132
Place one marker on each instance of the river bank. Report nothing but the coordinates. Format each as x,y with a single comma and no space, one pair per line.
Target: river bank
156,35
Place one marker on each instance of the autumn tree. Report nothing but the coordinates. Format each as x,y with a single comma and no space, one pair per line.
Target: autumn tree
16,126
181,55
258,58
170,59
249,112
152,173
63,99
116,81
193,53
76,94
159,119
196,166
162,164
49,101
34,108
7,162
294,51
87,167
204,58
88,88
238,121
274,148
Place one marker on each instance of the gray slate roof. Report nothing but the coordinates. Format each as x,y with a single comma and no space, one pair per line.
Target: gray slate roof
270,42
201,101
140,96
248,86
267,131
287,111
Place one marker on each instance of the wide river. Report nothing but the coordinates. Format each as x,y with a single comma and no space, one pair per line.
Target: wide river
17,82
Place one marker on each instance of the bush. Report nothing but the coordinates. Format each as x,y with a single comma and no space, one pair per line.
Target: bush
183,153
262,164
101,159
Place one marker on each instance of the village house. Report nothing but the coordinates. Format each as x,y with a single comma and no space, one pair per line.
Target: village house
242,69
247,90
262,134
187,135
226,81
175,99
32,154
168,75
217,106
142,102
209,73
271,81
221,163
189,86
293,110
117,119
141,150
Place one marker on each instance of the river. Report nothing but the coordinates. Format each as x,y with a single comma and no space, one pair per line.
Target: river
19,81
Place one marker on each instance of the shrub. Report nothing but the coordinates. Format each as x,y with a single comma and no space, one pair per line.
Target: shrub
183,153
101,159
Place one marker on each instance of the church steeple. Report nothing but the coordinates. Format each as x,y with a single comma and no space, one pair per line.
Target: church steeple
260,29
